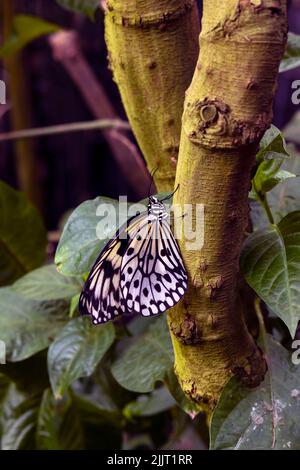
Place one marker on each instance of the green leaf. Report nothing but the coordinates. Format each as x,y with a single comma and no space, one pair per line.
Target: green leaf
156,402
108,390
74,305
270,262
58,424
79,245
87,7
269,175
47,283
272,154
272,146
26,28
23,236
263,418
18,419
279,177
146,359
28,326
291,59
270,157
76,351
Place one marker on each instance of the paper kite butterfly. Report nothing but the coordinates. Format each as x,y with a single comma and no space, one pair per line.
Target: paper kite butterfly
139,271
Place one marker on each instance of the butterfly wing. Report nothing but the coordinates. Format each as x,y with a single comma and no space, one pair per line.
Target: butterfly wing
153,277
101,296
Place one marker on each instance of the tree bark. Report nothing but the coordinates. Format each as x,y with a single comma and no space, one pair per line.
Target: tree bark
228,108
153,49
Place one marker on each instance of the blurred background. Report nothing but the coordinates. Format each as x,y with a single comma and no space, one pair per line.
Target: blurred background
66,80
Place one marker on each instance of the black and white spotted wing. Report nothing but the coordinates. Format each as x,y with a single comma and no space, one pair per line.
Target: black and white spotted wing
153,278
101,296
142,274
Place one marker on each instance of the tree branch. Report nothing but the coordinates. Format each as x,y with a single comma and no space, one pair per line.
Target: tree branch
153,49
227,110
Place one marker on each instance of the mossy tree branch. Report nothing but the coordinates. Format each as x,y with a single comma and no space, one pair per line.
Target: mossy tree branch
153,49
227,109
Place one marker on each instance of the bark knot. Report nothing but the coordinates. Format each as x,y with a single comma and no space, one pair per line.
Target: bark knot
186,332
211,123
213,285
206,119
253,370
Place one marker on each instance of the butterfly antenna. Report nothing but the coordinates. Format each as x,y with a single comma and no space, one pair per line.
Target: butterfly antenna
171,195
152,180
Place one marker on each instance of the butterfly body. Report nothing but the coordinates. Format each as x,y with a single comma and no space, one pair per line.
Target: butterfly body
139,271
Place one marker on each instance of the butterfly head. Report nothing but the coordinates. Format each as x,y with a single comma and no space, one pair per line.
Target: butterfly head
156,207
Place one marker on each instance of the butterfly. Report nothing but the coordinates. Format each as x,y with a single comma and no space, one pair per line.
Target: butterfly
140,270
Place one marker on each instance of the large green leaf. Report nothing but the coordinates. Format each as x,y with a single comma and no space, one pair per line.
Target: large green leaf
270,262
264,418
291,57
28,326
26,28
47,283
22,235
58,424
87,7
76,352
18,419
146,359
